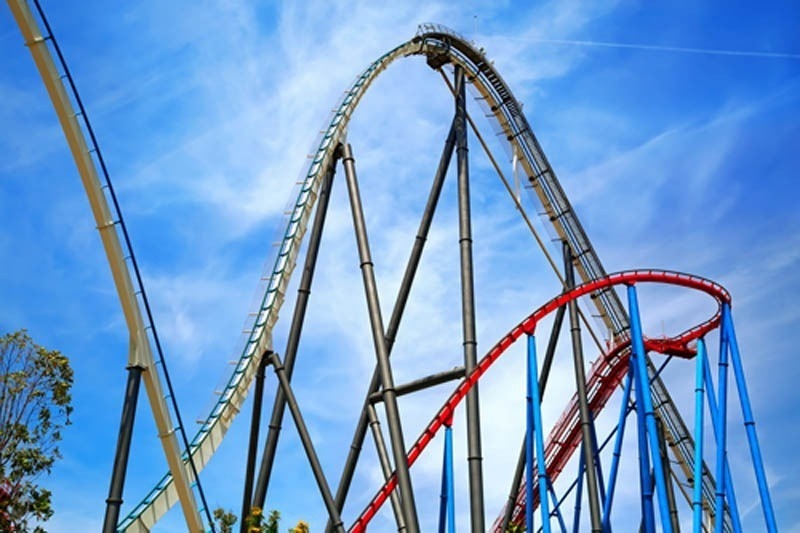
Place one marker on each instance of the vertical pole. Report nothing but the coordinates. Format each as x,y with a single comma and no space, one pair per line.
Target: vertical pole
443,493
252,449
720,423
298,318
538,434
583,401
545,374
645,480
474,455
397,312
730,493
596,453
114,500
529,430
699,390
612,476
576,523
637,343
308,445
451,496
749,421
381,351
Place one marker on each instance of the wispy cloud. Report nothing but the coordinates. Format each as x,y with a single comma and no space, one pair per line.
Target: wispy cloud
206,116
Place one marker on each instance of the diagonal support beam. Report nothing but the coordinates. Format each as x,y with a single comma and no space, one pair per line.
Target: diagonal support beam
293,341
397,314
305,438
381,350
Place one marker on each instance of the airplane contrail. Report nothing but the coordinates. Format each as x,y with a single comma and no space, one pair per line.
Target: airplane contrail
706,51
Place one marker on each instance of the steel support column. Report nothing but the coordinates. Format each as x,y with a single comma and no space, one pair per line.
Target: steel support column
535,434
474,454
544,375
114,500
447,507
721,423
576,523
252,447
645,479
641,375
308,445
381,351
617,454
386,465
298,318
583,402
699,390
397,314
749,421
732,506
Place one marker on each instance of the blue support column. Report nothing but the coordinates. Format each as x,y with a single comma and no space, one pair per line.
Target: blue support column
749,421
443,494
556,509
538,433
697,494
612,476
712,408
721,423
451,500
596,454
576,523
637,345
447,508
645,481
529,431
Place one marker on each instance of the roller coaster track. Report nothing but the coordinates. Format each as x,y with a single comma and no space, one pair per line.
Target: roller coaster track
564,437
440,46
606,374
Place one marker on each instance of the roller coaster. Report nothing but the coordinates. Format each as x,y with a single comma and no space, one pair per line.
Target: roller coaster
667,454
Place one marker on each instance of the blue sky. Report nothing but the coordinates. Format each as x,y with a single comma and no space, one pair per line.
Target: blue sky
679,159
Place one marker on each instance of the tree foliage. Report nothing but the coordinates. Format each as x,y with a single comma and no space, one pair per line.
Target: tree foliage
255,522
225,520
35,404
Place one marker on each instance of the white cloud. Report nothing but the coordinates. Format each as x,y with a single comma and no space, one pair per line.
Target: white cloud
207,120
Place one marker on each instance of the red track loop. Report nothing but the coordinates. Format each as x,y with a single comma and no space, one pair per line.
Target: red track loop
604,377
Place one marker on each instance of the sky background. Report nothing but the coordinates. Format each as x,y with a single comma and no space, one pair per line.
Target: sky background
679,151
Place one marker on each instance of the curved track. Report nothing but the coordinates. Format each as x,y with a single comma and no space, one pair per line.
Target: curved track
528,327
440,46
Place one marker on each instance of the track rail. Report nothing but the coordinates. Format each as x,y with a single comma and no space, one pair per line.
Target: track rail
440,46
605,375
558,452
116,241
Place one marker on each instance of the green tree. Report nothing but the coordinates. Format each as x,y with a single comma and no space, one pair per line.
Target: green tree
35,404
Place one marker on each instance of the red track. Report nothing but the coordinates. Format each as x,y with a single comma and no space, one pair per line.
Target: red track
605,375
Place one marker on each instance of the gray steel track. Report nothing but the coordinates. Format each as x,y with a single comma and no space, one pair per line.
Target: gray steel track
440,46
